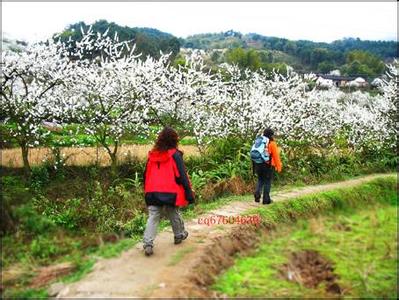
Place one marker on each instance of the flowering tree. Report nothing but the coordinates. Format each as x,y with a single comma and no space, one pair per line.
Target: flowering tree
109,93
30,86
253,100
390,94
250,101
181,94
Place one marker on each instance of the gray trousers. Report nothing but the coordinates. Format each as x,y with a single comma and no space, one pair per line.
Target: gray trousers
171,212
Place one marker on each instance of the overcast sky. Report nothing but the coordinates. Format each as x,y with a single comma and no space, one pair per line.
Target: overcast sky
313,21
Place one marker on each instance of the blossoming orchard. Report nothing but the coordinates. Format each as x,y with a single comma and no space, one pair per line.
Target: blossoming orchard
107,89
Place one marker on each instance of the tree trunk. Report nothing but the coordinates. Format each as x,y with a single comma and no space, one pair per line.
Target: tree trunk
25,153
114,166
114,158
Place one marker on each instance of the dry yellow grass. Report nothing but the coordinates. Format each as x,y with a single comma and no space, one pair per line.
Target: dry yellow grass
81,156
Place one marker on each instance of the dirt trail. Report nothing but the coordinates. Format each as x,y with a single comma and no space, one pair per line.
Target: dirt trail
187,269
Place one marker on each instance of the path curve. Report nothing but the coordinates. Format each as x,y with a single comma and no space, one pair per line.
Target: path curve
172,267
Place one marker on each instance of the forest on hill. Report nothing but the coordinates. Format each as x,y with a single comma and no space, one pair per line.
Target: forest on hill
149,41
352,56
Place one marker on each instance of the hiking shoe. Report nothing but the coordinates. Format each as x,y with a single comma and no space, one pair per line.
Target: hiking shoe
148,250
178,240
271,201
257,197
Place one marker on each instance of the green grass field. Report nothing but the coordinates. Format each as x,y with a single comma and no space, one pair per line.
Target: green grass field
360,243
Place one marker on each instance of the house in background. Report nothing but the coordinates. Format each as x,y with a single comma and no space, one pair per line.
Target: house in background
336,80
358,82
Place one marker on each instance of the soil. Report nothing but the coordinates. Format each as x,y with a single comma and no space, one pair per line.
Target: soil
309,269
187,269
48,274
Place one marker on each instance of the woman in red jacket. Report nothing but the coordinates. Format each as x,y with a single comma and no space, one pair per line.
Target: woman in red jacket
265,170
167,187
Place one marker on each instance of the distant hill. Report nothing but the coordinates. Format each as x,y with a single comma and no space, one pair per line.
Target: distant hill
351,56
233,39
8,43
149,41
308,55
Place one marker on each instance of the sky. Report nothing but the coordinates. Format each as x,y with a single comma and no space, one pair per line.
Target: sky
324,22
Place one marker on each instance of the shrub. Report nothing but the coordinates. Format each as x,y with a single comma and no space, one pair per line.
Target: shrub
229,148
136,225
31,222
40,177
66,214
42,247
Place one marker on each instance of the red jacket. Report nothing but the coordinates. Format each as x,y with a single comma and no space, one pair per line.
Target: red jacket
166,180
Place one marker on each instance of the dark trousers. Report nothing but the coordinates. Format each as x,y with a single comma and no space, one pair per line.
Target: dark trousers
265,175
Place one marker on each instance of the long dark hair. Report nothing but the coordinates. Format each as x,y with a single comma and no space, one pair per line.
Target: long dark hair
167,139
269,133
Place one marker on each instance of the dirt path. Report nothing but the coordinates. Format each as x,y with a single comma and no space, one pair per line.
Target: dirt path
80,156
187,269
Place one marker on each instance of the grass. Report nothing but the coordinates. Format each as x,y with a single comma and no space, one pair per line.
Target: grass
112,250
82,268
28,294
356,229
175,259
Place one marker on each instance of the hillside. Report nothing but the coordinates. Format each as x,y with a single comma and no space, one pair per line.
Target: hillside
12,44
302,55
351,56
231,39
149,41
